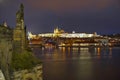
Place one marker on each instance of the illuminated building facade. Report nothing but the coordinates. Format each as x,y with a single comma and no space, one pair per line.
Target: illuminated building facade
61,33
61,38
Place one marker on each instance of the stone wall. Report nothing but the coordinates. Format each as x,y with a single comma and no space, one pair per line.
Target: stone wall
32,74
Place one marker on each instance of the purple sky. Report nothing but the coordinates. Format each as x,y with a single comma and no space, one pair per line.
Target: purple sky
102,16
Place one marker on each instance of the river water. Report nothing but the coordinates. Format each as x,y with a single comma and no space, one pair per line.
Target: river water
80,63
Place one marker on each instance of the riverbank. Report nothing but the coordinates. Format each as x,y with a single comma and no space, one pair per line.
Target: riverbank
29,74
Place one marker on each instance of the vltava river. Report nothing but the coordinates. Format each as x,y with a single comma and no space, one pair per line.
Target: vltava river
80,63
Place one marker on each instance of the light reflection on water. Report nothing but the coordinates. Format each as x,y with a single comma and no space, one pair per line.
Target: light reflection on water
67,63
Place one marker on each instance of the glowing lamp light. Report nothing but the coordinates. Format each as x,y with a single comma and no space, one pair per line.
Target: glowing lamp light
73,32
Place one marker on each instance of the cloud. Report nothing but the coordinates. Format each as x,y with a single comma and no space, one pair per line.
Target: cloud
69,5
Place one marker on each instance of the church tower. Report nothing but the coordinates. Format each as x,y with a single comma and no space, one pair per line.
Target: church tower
19,32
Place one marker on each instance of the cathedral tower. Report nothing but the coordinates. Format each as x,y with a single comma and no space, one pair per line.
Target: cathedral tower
19,32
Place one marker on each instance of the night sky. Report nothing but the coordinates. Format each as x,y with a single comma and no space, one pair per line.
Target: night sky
101,16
